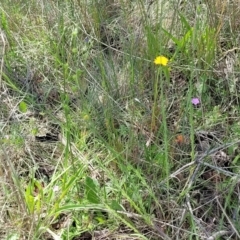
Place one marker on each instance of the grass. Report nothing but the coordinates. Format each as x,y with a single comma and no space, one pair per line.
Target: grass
97,141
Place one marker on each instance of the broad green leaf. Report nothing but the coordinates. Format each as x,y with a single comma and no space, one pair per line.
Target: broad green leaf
23,107
29,198
91,191
116,206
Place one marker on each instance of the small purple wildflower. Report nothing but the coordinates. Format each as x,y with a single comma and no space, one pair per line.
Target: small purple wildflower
195,101
87,39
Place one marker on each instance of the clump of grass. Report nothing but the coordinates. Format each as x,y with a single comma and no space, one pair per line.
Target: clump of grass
98,140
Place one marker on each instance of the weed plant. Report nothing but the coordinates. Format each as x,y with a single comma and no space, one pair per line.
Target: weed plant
119,119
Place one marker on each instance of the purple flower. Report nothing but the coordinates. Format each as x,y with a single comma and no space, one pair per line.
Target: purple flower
87,39
195,101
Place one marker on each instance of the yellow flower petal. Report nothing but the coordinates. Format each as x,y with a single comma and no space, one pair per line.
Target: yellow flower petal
161,60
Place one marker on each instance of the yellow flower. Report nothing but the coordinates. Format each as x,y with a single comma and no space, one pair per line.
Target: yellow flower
161,60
